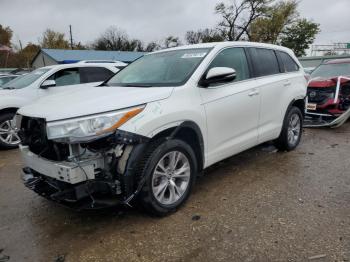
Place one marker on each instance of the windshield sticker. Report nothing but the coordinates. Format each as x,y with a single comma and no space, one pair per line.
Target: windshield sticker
194,55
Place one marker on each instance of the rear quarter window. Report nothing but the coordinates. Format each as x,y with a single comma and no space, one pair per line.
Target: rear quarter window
287,62
264,61
94,74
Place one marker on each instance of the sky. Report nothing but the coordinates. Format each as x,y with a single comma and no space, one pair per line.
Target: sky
147,20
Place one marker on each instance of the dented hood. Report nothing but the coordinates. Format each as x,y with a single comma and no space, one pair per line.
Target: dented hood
92,100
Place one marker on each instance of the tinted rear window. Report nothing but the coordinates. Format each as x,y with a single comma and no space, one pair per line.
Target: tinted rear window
94,74
265,62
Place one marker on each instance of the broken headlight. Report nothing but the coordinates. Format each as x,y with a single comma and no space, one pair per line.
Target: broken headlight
91,126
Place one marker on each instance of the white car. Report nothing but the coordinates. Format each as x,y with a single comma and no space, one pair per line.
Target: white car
146,133
43,82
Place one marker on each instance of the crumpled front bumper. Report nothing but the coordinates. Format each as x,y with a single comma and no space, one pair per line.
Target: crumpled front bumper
78,197
68,183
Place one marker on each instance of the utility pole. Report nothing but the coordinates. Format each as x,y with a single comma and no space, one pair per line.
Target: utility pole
71,37
20,45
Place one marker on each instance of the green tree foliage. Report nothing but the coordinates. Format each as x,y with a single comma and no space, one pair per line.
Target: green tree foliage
5,36
268,29
300,35
54,40
203,36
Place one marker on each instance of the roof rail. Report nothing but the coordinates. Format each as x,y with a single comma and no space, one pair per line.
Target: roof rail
99,61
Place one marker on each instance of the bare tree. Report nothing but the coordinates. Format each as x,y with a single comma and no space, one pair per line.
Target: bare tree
171,41
238,16
116,39
204,36
152,46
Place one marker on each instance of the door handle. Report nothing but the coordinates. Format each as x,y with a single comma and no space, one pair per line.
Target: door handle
253,93
287,83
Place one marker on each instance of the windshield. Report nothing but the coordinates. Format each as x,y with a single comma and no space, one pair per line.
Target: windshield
331,70
170,68
25,80
6,79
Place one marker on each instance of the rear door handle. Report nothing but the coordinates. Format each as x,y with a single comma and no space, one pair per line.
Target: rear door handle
287,83
253,93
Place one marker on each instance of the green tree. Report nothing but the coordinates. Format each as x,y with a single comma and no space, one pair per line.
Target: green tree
269,28
54,40
300,36
5,36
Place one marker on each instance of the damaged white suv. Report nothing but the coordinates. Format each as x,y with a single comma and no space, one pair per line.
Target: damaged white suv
146,133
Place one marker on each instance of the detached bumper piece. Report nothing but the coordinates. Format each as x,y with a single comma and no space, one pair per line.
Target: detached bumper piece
88,195
330,112
317,120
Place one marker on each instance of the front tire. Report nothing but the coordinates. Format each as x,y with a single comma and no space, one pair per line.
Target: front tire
9,138
291,132
170,168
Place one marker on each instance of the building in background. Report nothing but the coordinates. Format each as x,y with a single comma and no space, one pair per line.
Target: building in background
46,57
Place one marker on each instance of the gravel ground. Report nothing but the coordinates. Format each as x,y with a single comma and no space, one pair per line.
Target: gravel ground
261,205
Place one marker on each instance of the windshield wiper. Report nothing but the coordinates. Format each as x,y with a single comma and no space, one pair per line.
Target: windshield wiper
8,87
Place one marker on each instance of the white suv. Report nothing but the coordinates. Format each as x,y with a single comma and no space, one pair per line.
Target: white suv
146,133
43,82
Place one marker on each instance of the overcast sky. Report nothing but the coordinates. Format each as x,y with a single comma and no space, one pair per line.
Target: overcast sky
148,19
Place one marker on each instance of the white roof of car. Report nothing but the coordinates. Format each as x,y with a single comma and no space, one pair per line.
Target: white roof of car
228,44
90,64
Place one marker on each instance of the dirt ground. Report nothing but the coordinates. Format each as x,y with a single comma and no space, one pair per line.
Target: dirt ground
261,205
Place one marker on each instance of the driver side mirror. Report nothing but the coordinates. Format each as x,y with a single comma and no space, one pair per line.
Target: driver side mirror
218,75
48,83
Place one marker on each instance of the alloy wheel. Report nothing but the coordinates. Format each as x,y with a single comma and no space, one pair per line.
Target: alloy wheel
294,129
171,177
9,133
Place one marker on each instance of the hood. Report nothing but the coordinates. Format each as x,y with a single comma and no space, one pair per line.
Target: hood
321,82
92,100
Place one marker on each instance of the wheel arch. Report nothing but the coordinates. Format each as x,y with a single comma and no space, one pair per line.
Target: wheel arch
299,103
8,110
189,132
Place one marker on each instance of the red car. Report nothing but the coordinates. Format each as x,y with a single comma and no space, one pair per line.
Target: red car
328,92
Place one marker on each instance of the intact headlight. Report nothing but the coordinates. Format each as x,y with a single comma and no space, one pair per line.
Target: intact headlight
91,126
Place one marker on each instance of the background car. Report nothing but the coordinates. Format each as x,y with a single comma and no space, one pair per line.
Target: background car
6,78
327,98
43,82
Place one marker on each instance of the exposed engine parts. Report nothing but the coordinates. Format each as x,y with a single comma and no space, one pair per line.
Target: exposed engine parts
83,176
328,102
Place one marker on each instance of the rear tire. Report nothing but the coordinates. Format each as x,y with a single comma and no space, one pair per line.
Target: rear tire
170,168
8,134
291,132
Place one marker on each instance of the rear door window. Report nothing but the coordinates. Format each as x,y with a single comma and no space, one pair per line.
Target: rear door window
94,74
265,62
234,58
287,63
